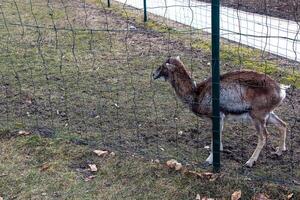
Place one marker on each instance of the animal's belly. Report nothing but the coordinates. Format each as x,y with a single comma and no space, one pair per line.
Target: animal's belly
232,102
239,118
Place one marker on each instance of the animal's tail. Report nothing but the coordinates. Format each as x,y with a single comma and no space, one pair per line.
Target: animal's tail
283,89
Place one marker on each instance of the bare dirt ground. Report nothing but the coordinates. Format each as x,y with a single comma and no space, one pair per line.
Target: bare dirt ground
86,84
288,9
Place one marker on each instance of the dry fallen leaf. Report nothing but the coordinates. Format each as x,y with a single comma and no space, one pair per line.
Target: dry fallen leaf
178,166
260,196
171,163
1,198
205,175
236,195
44,167
174,164
93,167
22,132
290,196
89,178
101,153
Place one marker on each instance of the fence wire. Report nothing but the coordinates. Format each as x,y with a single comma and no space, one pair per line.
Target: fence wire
80,68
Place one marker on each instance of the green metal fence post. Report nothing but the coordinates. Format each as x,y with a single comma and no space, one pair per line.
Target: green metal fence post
108,3
215,20
145,11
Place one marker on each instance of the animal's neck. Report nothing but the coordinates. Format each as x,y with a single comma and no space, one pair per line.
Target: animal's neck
183,84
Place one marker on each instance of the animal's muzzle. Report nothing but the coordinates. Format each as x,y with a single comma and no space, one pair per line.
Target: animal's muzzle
155,75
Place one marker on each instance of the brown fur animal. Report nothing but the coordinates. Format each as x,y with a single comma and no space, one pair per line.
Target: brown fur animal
242,93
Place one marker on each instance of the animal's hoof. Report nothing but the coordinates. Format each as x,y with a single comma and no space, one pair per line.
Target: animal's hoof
283,149
278,151
208,161
221,147
205,165
249,163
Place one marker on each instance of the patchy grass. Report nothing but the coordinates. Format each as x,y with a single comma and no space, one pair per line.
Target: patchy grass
86,85
35,167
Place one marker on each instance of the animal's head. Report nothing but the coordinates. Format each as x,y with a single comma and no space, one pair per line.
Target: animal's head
165,70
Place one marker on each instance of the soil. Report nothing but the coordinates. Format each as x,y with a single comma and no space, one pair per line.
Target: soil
287,9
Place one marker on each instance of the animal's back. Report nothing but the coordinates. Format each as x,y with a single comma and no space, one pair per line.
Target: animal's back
243,91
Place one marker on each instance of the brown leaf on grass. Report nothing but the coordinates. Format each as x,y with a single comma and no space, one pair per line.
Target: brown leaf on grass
22,132
93,167
1,198
27,100
204,175
44,167
173,164
236,195
290,196
101,153
89,178
178,166
260,196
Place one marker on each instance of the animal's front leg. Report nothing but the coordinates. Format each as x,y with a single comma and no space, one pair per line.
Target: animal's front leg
209,160
210,157
281,125
222,117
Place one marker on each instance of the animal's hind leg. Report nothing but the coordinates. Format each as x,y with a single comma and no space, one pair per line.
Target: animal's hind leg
261,133
281,125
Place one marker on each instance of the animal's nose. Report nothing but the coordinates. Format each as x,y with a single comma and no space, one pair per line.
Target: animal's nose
154,75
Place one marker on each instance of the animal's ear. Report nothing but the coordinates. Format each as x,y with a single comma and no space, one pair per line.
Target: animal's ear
177,58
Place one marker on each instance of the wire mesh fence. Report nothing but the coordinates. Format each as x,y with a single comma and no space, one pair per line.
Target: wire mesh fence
80,70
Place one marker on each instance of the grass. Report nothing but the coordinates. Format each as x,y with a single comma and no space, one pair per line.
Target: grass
130,177
85,90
